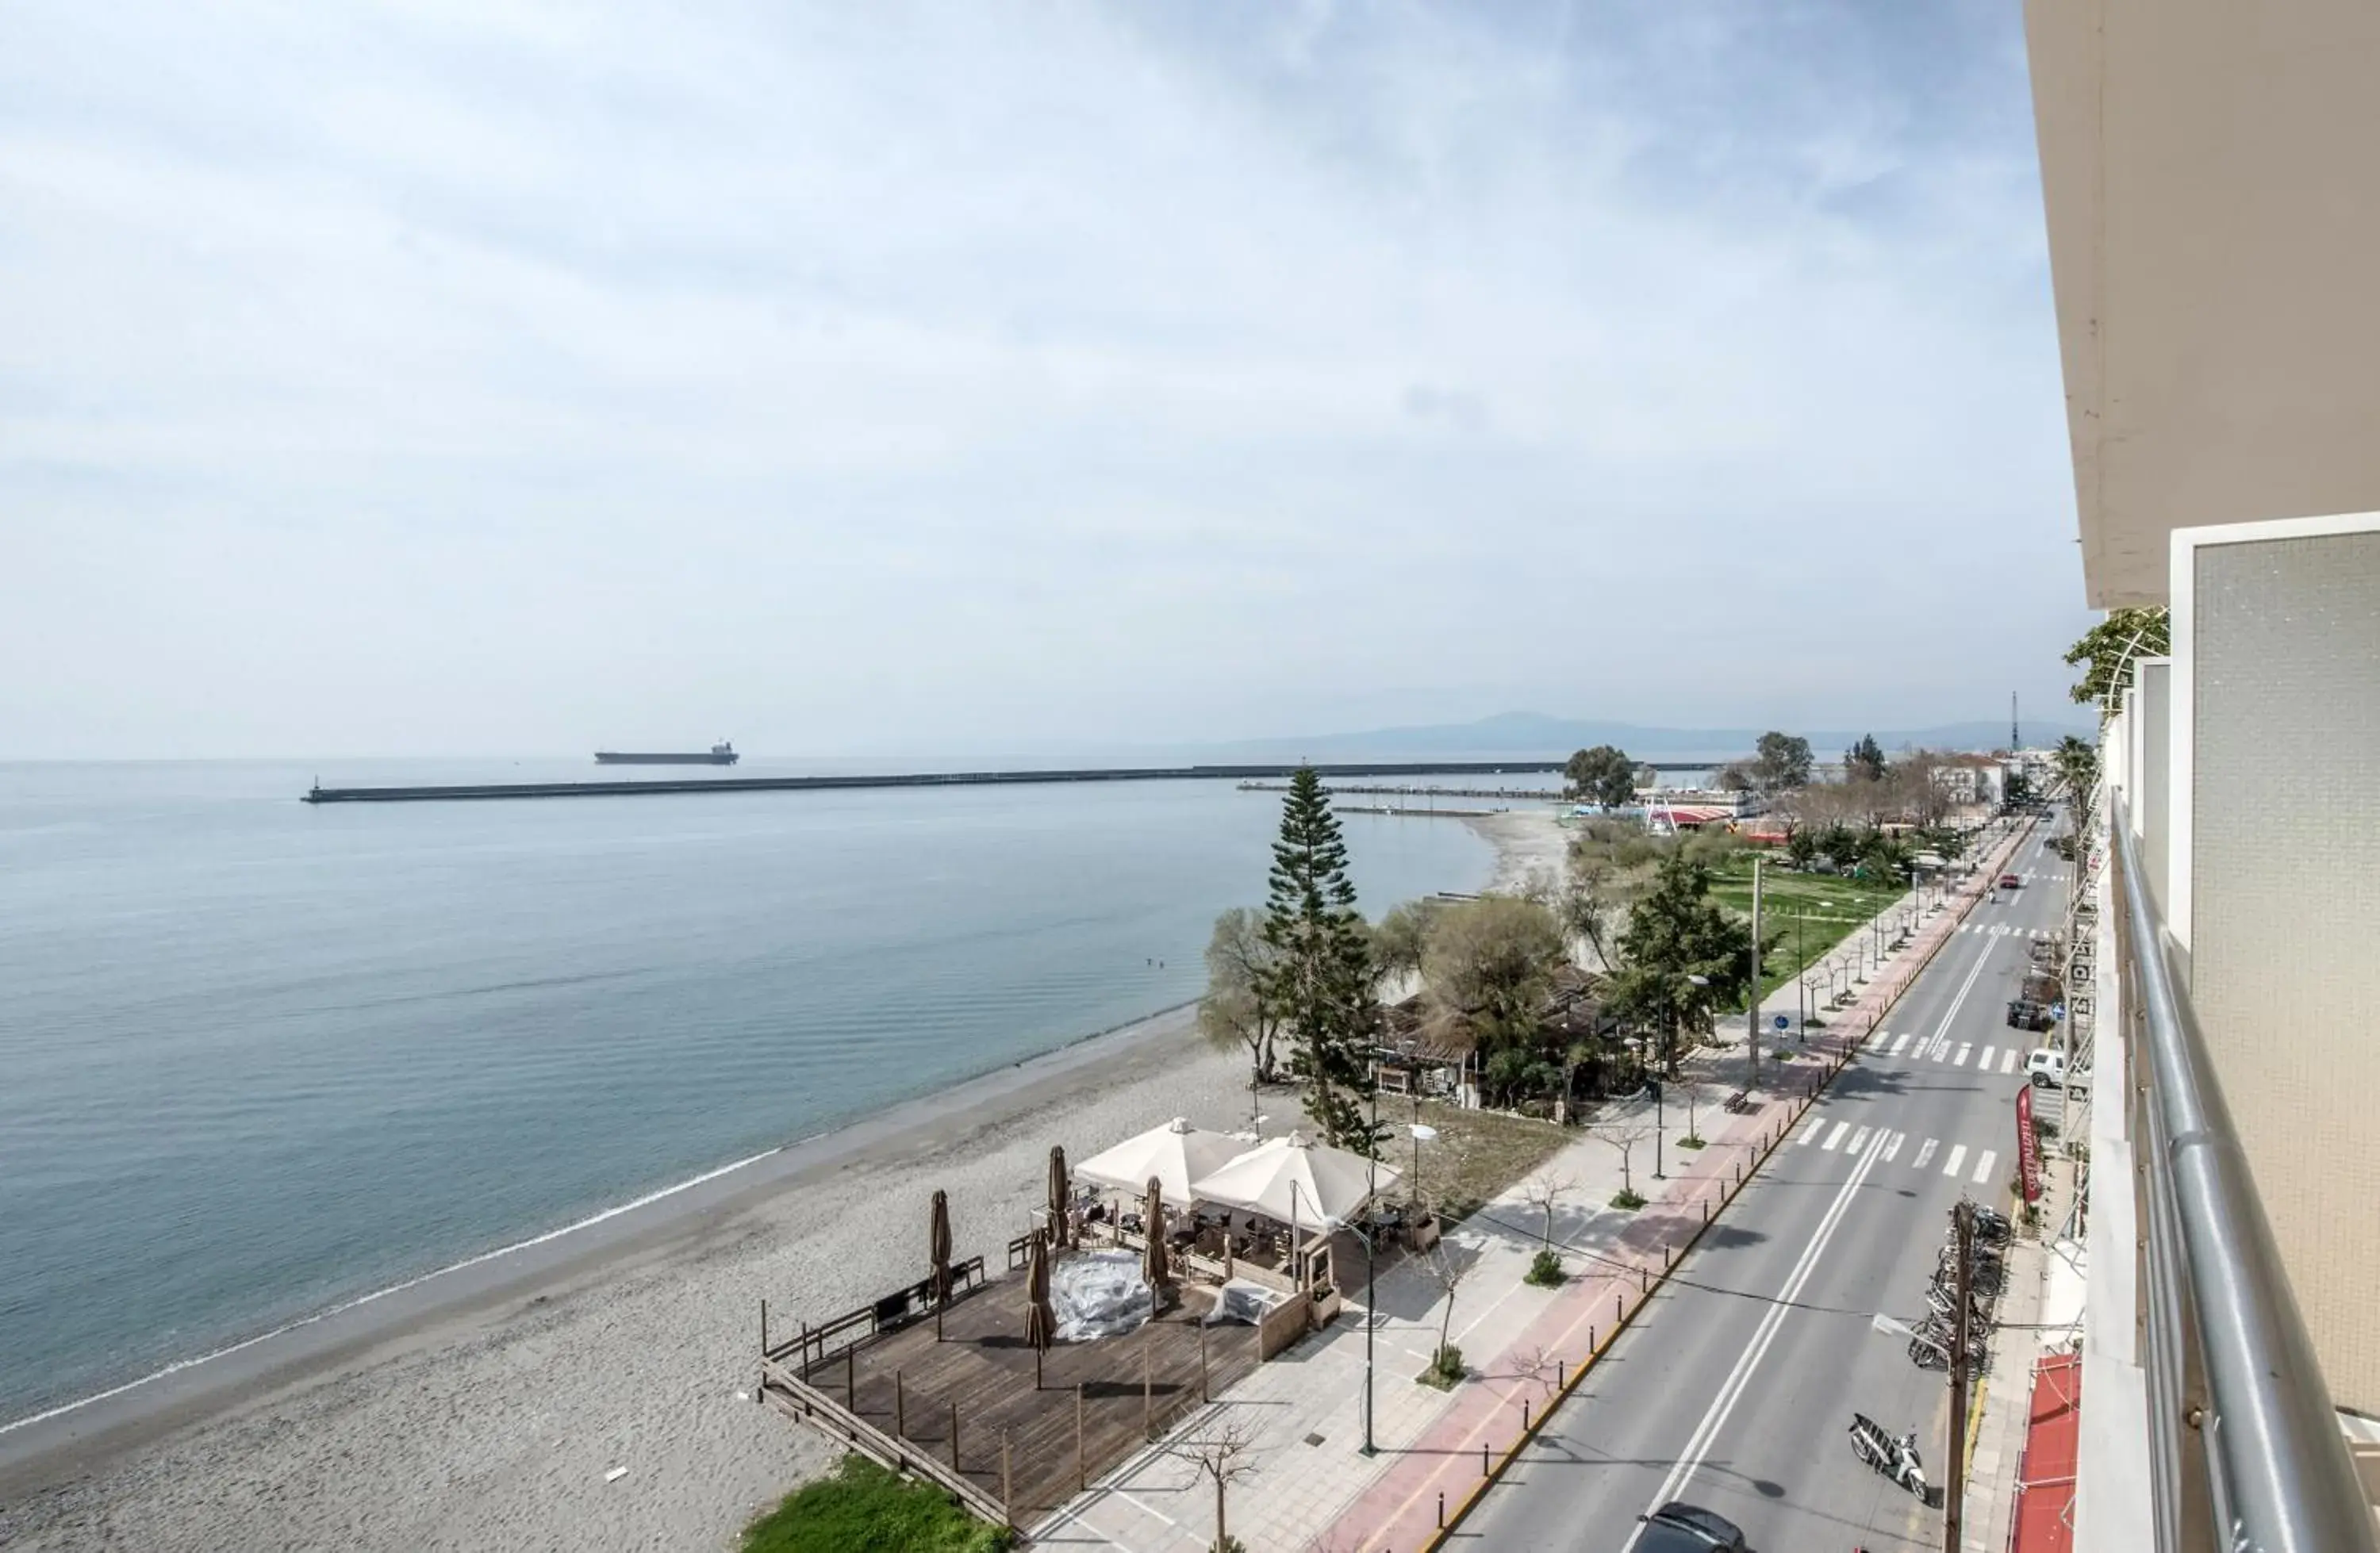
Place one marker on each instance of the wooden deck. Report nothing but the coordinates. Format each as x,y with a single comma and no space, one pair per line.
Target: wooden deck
904,1386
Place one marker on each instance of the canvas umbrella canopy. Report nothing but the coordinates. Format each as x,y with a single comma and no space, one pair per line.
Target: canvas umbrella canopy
1174,1155
1152,1253
1296,1181
1060,1192
1041,1322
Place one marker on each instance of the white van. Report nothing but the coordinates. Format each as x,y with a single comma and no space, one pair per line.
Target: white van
2046,1066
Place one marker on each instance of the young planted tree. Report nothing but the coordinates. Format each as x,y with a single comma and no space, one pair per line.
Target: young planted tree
1320,984
1545,1192
1233,1013
1447,1270
1221,1456
1625,1137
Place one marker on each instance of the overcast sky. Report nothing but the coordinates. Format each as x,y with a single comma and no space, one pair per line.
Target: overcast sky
511,378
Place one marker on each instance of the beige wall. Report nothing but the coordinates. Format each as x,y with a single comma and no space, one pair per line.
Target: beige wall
2211,172
2275,879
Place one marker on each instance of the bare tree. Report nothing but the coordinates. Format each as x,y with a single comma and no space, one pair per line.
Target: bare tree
1538,1366
1545,1192
1625,1137
1693,1091
1449,1270
1220,1455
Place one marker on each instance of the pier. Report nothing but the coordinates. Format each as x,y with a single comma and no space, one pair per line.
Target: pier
1244,775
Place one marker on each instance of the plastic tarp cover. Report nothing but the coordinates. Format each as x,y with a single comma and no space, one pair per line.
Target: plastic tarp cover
1099,1295
1242,1302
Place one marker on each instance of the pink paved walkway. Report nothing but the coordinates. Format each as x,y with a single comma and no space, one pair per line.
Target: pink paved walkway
1400,1512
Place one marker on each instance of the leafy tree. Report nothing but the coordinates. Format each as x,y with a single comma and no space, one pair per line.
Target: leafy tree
1399,937
1801,849
2078,767
1320,984
1233,1013
1864,760
1841,845
1736,776
1677,931
1602,775
1489,963
1783,762
1610,864
2107,651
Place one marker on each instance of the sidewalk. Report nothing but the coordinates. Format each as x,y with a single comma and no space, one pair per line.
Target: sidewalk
1311,1487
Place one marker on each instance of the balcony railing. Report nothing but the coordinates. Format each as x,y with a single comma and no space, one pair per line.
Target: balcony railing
2246,1453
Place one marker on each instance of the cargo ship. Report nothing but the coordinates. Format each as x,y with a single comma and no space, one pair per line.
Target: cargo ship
719,753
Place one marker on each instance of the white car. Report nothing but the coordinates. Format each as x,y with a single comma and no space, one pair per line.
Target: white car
2046,1066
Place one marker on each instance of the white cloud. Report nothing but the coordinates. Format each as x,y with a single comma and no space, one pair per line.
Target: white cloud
499,377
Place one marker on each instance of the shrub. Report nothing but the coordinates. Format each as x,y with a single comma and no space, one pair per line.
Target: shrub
863,1505
1691,1141
1545,1269
1445,1370
1628,1198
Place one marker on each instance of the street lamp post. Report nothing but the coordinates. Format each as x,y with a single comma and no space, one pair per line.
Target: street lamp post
1371,1230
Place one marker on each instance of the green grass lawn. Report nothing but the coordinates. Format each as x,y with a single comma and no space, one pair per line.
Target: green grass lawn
1829,909
865,1506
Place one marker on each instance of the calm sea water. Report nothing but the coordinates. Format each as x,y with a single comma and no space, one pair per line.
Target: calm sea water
258,1058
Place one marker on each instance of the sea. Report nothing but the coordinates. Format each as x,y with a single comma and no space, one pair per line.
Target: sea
260,1058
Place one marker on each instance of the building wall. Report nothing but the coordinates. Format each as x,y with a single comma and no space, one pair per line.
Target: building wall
2274,884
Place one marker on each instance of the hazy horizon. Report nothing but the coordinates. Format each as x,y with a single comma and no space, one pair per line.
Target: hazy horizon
519,377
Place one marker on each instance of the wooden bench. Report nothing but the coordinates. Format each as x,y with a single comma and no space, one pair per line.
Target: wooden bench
1738,1102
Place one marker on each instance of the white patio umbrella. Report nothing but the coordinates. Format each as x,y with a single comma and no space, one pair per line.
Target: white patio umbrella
1175,1155
1296,1181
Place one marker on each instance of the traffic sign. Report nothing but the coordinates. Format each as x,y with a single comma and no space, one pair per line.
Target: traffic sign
1784,1022
2057,1010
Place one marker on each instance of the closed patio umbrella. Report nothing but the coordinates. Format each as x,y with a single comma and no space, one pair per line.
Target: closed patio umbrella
937,1257
1041,1323
1060,1194
1152,1255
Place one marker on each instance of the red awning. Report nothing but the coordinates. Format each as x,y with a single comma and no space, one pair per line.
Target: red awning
2044,1521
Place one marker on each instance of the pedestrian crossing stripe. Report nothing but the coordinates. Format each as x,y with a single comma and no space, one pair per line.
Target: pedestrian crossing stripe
1892,1146
1961,1060
1859,1141
1984,1163
1836,1137
1983,1063
2007,1063
1899,1041
1817,1125
1924,1153
1957,1156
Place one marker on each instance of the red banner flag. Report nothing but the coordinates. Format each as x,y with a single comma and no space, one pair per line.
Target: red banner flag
2028,1150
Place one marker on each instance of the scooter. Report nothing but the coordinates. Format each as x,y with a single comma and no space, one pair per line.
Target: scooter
1896,1459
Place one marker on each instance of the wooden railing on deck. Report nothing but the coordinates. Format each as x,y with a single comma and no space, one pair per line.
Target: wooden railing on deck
791,1395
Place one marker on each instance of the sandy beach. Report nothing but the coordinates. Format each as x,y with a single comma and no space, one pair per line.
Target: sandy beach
1530,846
484,1408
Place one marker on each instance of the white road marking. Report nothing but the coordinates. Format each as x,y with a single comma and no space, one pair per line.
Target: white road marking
1892,1146
1732,1390
1859,1140
1924,1154
1957,1156
1984,1163
1817,1125
1965,1047
1898,1041
1841,1127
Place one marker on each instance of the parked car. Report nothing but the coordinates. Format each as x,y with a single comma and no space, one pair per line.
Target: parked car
2046,1066
1679,1527
2025,1014
2008,881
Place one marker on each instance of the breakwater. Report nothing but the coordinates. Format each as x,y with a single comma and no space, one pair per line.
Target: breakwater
321,795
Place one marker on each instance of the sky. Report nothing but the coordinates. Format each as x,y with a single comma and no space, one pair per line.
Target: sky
511,378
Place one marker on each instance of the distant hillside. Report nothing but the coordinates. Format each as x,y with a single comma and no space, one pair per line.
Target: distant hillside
1534,735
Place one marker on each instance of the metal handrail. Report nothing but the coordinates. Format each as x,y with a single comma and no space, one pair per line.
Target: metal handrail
2228,1354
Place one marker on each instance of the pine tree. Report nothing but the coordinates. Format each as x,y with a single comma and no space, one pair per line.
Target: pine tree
1319,986
1675,932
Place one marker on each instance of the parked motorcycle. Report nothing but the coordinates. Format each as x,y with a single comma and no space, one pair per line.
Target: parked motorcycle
1895,1458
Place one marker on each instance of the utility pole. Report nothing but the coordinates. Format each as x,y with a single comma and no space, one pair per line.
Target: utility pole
1954,1477
2015,741
1752,1018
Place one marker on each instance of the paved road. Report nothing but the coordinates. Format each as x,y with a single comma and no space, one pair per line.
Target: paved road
1735,1389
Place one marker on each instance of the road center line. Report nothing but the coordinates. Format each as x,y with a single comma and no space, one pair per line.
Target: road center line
1732,1390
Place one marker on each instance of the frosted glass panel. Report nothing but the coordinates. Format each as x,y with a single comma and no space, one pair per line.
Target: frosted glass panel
2286,906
